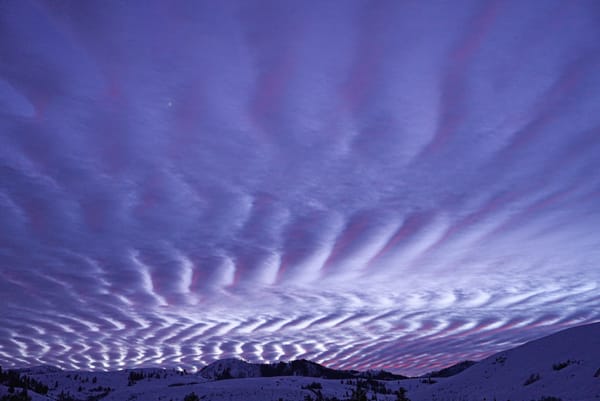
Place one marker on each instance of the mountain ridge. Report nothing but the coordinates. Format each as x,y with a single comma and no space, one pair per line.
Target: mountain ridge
233,368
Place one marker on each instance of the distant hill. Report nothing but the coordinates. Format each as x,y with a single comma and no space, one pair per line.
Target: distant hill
238,369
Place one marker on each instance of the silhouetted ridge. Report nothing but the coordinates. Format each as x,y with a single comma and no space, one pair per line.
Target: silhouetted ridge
452,370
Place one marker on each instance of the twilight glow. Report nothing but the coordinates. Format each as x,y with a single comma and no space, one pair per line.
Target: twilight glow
366,184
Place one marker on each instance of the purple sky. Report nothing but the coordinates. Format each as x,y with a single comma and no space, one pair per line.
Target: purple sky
383,184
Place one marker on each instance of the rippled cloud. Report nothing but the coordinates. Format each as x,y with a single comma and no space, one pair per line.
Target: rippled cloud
368,185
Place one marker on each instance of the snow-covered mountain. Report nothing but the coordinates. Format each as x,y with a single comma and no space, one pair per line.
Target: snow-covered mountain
237,369
230,368
564,366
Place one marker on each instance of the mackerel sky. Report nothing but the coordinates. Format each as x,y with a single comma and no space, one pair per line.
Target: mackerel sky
366,184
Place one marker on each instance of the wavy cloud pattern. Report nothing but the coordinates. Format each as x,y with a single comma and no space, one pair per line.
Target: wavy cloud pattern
388,184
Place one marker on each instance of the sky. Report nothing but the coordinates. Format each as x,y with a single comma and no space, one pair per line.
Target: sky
394,185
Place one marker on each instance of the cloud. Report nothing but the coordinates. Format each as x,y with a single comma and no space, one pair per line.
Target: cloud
397,186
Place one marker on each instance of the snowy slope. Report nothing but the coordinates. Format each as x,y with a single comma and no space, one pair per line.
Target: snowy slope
565,362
